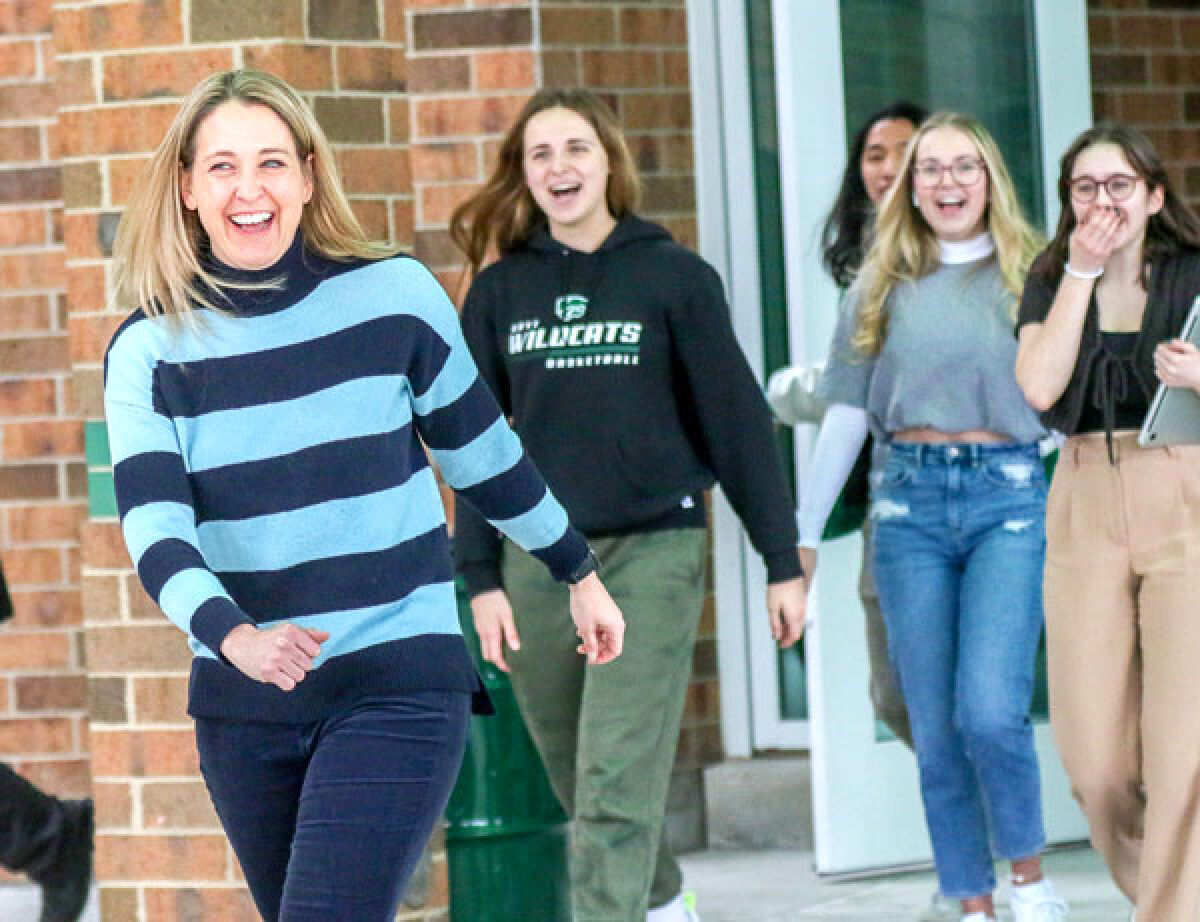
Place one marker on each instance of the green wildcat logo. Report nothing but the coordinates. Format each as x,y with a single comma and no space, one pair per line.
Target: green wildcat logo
570,307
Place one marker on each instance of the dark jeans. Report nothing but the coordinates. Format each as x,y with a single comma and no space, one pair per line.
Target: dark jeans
329,819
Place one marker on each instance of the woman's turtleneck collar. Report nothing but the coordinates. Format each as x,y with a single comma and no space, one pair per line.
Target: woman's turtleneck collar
289,280
959,252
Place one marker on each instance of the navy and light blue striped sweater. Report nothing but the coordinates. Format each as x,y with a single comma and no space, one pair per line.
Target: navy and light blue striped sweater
269,467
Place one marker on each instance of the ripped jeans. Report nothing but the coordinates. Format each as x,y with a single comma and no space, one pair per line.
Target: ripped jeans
959,551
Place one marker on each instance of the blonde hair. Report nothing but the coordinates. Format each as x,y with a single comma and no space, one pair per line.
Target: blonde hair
159,242
905,247
503,213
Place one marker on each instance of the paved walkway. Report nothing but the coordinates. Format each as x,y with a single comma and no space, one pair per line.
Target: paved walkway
781,886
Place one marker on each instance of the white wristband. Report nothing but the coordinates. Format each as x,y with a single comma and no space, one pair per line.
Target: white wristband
1086,276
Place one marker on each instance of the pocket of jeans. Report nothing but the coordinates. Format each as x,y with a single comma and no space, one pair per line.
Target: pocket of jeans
894,474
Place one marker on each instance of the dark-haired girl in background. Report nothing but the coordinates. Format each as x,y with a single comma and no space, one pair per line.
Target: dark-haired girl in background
874,160
1097,318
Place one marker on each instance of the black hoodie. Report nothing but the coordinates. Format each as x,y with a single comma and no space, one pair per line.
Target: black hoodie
622,376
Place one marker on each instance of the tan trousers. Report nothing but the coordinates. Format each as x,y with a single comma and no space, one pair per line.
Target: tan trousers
1123,639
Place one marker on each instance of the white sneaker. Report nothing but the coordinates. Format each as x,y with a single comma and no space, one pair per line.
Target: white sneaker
978,917
680,909
1037,902
941,909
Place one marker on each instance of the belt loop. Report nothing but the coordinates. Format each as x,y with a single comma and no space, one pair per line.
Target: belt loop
1075,444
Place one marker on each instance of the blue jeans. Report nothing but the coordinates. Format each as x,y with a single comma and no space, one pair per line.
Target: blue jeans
959,550
329,819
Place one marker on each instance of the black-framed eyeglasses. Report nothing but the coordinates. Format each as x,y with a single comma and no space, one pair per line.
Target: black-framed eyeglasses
966,171
1119,187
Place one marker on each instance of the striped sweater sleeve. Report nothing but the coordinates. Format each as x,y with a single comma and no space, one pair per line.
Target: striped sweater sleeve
479,455
154,498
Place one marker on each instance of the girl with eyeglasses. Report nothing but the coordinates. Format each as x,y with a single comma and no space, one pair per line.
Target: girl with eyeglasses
923,354
1097,321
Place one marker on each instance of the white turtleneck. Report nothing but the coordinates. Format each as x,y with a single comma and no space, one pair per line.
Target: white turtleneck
957,252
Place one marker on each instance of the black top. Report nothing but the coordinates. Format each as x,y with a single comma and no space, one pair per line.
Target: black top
1114,400
620,371
1173,283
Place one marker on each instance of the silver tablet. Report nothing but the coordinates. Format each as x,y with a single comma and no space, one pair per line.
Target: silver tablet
1174,416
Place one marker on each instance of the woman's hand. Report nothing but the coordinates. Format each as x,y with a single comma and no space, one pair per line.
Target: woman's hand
786,603
1092,240
598,621
1177,364
495,626
282,655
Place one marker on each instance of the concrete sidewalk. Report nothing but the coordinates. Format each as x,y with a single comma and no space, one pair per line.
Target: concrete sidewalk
781,886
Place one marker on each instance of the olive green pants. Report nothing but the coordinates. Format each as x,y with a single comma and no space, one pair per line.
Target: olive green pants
607,734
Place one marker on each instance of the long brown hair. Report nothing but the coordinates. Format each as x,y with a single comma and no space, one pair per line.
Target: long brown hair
503,214
157,252
905,247
1175,225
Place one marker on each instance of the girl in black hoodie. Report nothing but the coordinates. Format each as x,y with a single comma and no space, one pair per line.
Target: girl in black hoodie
610,348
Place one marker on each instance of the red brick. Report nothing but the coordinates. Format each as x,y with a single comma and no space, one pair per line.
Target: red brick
395,23
1189,31
403,221
31,397
1150,108
47,607
375,170
504,70
32,524
656,111
439,202
34,269
66,777
622,69
115,26
141,606
35,651
33,565
144,753
23,228
115,129
26,314
25,101
28,481
675,69
1171,69
578,25
372,68
1153,30
471,29
114,805
372,214
160,857
85,393
76,83
653,27
119,904
562,68
178,805
86,294
46,439
50,693
450,117
197,905
37,354
134,648
438,162
24,17
27,184
399,117
446,73
160,74
41,734
124,174
91,333
306,67
18,60
160,699
20,143
104,546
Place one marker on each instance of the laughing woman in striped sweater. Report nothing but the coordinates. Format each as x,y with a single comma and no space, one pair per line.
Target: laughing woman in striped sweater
268,403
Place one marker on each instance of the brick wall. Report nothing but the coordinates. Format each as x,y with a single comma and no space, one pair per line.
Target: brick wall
1146,72
43,697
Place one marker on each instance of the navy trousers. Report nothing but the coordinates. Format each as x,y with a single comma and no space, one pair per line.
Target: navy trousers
329,819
